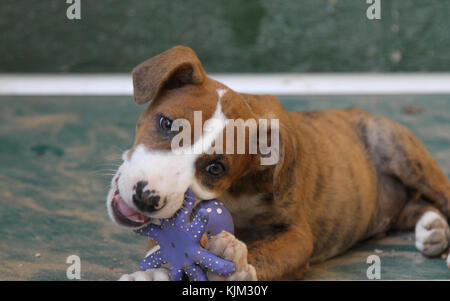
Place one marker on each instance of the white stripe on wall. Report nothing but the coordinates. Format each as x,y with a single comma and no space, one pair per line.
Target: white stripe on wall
280,84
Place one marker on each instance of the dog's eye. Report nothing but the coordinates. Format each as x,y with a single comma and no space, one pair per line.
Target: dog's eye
215,168
165,124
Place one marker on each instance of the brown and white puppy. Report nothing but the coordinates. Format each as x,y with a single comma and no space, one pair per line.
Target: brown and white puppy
342,176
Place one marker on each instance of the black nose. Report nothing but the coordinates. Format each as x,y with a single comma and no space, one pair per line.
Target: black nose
145,199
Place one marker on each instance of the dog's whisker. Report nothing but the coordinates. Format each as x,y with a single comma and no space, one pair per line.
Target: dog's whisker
109,165
104,174
104,170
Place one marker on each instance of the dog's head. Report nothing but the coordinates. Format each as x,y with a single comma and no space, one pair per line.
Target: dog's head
170,152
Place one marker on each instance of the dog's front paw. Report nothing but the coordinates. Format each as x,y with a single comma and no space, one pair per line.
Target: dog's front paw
227,246
432,234
148,275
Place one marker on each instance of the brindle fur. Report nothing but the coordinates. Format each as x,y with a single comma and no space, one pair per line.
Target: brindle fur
344,175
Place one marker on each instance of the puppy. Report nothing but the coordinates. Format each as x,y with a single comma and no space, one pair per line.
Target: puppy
341,175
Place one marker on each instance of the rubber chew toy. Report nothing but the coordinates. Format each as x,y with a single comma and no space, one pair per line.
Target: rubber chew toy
179,240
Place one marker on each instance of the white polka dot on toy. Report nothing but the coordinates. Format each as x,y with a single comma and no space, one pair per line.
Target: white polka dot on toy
219,210
208,210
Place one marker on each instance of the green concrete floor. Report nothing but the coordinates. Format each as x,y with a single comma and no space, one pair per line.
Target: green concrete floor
56,157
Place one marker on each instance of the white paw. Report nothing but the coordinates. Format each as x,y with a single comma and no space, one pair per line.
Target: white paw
148,275
432,234
227,246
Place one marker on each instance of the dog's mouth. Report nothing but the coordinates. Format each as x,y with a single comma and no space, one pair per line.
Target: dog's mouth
126,215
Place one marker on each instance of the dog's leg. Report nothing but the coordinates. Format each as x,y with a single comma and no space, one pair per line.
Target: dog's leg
285,253
411,213
398,153
161,274
431,227
229,247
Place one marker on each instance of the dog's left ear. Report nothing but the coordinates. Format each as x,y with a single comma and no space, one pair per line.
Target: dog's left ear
171,69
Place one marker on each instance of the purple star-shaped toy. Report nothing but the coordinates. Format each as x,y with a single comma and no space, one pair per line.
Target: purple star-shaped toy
179,240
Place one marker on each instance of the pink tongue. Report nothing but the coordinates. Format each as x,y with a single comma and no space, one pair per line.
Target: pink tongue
127,211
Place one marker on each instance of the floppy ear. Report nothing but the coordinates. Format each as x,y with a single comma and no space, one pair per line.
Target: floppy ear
171,69
284,177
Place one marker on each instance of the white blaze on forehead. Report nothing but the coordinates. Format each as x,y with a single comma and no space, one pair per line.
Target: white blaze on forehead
221,92
212,129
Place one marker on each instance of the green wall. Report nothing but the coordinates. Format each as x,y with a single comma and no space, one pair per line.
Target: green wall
228,35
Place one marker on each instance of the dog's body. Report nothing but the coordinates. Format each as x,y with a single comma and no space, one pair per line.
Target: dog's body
343,176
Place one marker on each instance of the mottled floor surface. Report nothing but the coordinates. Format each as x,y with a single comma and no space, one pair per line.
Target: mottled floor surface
56,157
